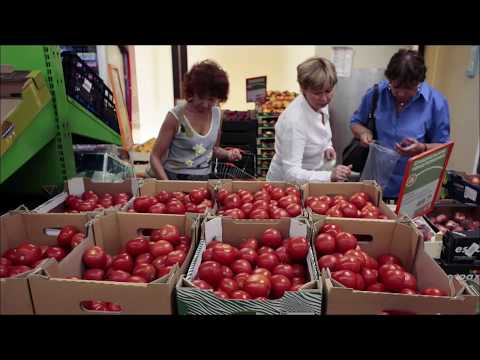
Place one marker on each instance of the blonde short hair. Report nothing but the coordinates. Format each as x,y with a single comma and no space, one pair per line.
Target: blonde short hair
316,73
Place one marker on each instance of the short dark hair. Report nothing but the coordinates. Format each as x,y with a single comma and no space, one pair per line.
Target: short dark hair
205,79
407,67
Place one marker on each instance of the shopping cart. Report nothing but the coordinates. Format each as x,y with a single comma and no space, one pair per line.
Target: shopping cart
228,170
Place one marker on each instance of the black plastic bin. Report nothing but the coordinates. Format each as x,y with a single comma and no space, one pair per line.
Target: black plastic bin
88,89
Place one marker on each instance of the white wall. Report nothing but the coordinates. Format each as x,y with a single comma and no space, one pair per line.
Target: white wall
155,89
278,63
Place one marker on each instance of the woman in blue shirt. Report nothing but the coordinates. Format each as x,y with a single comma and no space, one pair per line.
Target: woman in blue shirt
411,116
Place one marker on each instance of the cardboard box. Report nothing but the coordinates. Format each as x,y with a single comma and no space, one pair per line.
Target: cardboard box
194,301
111,232
23,94
78,185
401,240
348,189
39,229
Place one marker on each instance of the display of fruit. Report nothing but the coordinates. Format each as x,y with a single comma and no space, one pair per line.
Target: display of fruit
424,230
258,269
146,147
28,256
177,202
229,115
458,222
354,268
91,201
94,305
270,202
141,259
277,101
359,205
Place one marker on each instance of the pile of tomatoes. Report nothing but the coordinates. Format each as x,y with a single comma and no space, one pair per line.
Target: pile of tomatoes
28,256
255,270
359,205
91,201
177,202
271,202
141,260
339,251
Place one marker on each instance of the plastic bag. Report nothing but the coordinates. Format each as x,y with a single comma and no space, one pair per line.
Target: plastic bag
381,162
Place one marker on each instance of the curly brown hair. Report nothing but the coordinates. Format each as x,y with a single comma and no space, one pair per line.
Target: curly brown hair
206,79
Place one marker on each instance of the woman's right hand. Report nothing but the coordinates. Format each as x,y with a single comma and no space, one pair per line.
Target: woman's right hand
341,173
366,138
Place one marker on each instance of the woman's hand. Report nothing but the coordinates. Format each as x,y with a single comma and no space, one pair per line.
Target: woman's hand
330,154
410,147
341,173
366,138
234,155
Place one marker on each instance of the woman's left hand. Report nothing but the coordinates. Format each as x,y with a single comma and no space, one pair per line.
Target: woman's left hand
410,147
234,155
330,154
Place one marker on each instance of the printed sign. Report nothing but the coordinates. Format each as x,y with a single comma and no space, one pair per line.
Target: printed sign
257,89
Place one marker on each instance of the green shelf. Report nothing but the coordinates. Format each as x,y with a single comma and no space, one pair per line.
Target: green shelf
39,133
267,127
267,116
265,138
83,122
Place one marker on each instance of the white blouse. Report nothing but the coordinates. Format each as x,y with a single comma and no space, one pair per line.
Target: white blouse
301,138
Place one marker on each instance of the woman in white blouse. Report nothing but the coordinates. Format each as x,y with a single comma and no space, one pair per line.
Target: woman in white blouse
303,138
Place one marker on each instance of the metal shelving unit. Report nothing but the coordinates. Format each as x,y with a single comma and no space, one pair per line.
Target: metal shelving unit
265,144
42,158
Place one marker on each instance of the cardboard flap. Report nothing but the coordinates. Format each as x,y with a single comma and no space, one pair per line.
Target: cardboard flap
213,230
76,186
13,231
297,228
432,275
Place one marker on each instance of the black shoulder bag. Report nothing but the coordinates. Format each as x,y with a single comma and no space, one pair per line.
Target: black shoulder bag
355,154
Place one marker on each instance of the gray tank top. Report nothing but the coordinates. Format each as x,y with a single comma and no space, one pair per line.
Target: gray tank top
190,152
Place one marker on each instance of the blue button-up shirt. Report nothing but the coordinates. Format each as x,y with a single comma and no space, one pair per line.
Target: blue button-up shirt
425,118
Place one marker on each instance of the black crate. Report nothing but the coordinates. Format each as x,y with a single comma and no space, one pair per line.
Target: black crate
459,188
449,207
88,89
466,272
461,248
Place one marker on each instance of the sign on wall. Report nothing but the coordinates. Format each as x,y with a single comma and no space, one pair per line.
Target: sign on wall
257,89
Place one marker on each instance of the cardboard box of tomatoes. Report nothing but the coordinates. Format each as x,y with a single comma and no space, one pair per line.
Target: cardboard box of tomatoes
118,290
84,195
382,268
262,277
26,240
346,199
257,199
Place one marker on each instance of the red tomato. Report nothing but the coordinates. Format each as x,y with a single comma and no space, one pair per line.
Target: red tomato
227,272
106,202
182,247
77,239
112,307
261,204
221,195
257,286
267,261
240,279
123,262
349,210
345,241
224,254
232,201
136,279
410,282
191,207
358,200
235,213
176,207
4,270
283,269
294,210
247,198
371,263
164,271
141,204
282,255
388,259
178,195
161,247
433,292
16,270
246,208
137,246
145,258
328,261
207,254
382,271
308,201
201,284
331,229
147,271
287,200
351,263
213,243
262,271
272,237
64,238
394,280
299,270
197,196
278,213
248,254
94,274
280,284
358,254
298,280
56,252
241,266
118,275
228,285
319,207
265,249
377,287
277,193
250,243
159,262
211,272
325,244
158,208
221,294
262,195
95,258
170,233
370,276
326,199
297,248
5,261
163,196
407,291
291,190
176,257
346,278
26,254
259,214
240,295
360,282
295,287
